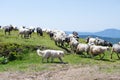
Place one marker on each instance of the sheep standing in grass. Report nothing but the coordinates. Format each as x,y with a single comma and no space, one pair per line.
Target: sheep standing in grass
103,42
83,48
91,40
51,54
25,32
39,31
59,38
73,44
98,50
116,49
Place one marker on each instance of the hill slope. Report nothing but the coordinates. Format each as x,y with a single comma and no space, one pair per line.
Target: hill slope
30,67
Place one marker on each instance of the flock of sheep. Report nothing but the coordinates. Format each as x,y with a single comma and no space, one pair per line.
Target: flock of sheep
93,46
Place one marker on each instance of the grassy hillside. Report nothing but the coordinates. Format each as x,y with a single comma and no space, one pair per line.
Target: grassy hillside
32,62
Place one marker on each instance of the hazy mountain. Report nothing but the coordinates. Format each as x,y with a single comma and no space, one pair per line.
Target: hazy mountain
111,33
112,40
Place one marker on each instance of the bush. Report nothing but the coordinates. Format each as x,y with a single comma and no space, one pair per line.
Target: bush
14,56
3,60
14,51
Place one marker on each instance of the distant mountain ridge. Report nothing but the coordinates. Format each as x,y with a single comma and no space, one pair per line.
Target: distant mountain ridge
112,40
110,33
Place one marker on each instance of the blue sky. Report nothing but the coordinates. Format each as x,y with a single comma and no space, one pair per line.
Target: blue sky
68,15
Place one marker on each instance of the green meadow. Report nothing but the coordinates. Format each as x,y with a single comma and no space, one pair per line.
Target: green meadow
30,61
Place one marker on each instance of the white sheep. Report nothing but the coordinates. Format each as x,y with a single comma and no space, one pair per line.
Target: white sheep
25,32
98,50
50,54
73,44
83,48
59,38
91,40
116,49
22,30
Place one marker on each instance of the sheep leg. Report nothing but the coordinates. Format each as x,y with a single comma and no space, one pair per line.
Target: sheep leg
118,55
87,52
60,59
24,35
47,59
62,43
42,60
5,33
55,42
30,35
102,56
91,55
52,59
77,51
9,32
21,36
111,55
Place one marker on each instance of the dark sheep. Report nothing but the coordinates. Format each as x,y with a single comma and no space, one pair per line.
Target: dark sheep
103,42
8,29
39,31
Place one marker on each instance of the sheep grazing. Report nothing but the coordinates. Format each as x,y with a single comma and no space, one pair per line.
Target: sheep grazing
98,50
51,54
25,32
116,49
8,29
39,31
51,34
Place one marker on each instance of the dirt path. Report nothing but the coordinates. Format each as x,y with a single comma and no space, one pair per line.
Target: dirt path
67,73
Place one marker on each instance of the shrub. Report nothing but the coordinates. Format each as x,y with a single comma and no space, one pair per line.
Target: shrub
14,56
3,60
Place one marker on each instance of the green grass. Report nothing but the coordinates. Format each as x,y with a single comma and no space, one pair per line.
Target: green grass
32,62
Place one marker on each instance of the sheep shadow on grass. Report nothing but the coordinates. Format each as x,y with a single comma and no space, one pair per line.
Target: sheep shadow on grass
56,62
60,62
68,51
102,60
96,58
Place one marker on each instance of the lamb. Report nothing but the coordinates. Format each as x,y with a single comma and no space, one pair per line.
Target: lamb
116,49
51,54
97,50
